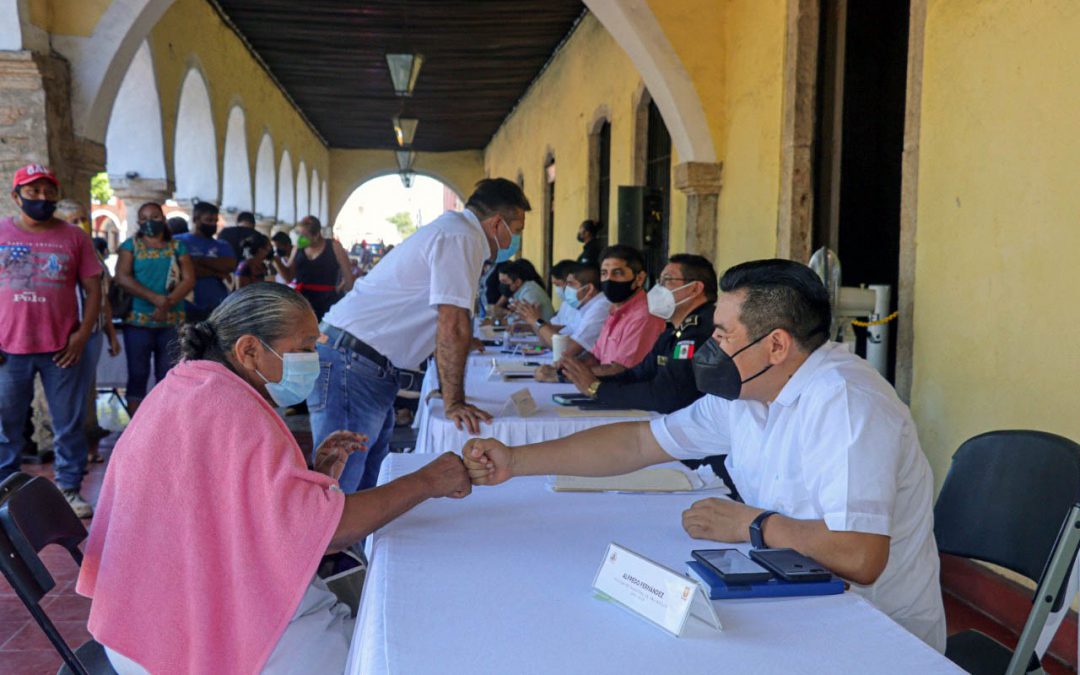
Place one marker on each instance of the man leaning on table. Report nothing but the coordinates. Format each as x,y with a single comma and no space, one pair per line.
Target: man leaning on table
417,300
822,450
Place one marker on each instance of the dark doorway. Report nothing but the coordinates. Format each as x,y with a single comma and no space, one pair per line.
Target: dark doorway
603,182
862,86
658,178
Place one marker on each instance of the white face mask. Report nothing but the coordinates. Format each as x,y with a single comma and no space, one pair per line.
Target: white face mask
662,302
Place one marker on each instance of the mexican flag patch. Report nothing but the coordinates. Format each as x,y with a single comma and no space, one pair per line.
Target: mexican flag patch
684,350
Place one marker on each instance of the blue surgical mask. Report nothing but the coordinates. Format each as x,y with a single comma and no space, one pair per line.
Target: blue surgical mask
505,254
299,371
570,296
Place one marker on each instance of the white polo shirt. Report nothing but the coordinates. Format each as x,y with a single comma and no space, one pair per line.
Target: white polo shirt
585,329
836,445
394,309
566,316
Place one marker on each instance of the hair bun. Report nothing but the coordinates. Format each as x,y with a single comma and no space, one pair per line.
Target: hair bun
196,340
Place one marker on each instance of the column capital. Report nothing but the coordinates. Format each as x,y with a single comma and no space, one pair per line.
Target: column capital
698,178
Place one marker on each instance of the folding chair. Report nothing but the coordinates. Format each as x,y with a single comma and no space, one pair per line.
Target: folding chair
1011,498
34,514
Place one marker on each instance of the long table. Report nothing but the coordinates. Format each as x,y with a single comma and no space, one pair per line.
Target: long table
436,433
500,582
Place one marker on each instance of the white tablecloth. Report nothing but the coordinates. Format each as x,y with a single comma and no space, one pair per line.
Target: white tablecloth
436,434
500,582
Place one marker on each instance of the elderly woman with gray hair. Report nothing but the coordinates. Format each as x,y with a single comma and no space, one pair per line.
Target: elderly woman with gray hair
203,554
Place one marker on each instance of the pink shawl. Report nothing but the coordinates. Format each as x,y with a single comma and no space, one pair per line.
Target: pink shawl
208,528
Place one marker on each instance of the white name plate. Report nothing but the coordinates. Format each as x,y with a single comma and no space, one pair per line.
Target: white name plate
652,591
521,402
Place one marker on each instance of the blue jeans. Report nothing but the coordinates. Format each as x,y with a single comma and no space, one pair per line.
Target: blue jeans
65,391
139,344
355,394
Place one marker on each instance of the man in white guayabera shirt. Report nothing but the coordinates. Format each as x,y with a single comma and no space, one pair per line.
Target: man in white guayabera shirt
821,449
417,300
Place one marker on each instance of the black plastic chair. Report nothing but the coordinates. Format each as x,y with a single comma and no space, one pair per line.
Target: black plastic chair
34,514
1011,498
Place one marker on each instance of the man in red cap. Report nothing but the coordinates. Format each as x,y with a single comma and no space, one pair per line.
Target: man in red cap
42,258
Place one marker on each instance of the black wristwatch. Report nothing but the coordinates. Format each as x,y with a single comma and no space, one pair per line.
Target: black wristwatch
540,323
757,539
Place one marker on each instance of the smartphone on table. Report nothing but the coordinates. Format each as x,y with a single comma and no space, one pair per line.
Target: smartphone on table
731,565
790,565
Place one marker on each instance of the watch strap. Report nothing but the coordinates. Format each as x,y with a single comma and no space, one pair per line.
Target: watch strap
757,538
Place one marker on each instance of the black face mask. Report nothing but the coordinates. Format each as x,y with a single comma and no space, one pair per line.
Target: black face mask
505,290
208,231
581,237
281,253
152,228
40,210
716,373
617,291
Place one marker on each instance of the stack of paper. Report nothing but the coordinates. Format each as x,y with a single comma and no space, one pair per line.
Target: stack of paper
643,480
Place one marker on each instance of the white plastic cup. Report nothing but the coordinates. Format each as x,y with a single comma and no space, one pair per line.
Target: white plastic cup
558,345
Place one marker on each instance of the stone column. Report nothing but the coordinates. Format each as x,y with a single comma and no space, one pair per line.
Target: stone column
135,192
700,182
36,125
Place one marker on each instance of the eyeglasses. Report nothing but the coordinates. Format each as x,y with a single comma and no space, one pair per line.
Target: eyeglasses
665,280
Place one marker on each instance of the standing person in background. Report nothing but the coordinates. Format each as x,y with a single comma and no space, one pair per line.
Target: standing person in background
214,261
147,261
42,258
256,264
412,303
319,266
283,248
587,235
75,213
178,225
236,234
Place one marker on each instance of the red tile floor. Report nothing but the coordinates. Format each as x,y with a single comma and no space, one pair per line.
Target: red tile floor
24,649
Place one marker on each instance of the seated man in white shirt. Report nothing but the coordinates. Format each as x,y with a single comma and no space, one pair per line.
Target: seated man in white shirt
582,294
818,444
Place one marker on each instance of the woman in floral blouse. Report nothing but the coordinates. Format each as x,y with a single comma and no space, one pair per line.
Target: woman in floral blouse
158,273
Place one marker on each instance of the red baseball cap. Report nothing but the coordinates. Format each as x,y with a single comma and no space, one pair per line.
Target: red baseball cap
32,172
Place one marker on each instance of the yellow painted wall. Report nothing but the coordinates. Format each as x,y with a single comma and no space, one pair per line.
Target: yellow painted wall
191,34
589,74
67,17
351,168
997,235
733,51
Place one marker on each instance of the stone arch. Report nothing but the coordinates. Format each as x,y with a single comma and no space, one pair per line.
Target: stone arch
303,198
100,61
340,199
286,202
135,140
195,162
635,28
236,167
265,179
